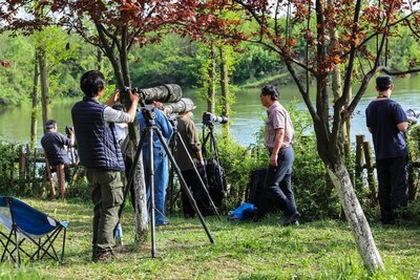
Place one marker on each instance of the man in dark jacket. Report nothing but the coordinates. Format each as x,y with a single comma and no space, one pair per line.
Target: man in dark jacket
100,153
187,130
55,147
387,122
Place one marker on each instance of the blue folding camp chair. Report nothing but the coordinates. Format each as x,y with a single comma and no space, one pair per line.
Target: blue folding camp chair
27,223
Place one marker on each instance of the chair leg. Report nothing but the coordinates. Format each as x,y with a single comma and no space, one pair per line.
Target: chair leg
17,247
64,244
49,177
61,180
6,247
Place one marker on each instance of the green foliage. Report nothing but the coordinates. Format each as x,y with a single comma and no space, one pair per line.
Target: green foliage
255,63
173,60
16,81
67,58
8,168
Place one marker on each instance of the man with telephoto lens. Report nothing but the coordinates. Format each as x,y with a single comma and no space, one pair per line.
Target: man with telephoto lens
187,130
387,122
279,135
160,160
55,147
100,153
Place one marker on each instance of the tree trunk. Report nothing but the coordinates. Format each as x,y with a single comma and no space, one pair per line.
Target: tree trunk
119,62
355,216
99,60
211,83
140,199
224,84
35,101
44,84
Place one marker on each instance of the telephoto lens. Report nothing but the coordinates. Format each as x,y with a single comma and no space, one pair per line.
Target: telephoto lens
167,93
182,106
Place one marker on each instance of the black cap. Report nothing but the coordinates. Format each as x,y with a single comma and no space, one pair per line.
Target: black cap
383,83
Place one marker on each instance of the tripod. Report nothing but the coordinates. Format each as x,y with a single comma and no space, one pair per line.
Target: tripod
178,136
151,128
219,181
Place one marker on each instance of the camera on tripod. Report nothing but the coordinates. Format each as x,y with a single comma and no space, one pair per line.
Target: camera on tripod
413,115
209,118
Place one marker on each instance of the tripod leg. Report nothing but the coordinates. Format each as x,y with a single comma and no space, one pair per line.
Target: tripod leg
184,184
131,173
181,140
150,176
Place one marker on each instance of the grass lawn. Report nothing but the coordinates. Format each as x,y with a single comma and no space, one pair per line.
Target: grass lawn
262,250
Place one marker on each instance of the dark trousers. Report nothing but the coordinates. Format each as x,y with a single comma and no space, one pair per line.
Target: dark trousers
197,191
278,181
392,191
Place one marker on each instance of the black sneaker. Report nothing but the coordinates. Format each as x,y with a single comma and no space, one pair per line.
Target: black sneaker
292,219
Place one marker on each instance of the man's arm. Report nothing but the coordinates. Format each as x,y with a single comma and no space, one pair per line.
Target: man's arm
112,115
72,137
403,126
278,143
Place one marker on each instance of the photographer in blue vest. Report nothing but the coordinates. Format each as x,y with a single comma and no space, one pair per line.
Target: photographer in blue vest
100,153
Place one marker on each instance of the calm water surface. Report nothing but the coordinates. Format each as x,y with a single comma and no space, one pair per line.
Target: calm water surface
246,121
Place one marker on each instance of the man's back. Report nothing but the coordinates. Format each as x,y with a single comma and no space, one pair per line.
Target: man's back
382,117
53,144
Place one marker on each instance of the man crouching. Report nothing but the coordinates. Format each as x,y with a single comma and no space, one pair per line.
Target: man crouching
100,153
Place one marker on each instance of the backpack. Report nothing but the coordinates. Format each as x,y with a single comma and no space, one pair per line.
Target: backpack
243,212
216,181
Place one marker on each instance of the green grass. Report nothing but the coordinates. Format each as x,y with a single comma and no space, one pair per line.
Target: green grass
262,250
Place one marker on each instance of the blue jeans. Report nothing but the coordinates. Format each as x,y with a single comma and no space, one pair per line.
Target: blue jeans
279,181
161,179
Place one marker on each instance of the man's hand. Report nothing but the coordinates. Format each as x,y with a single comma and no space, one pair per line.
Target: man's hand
133,97
273,160
113,99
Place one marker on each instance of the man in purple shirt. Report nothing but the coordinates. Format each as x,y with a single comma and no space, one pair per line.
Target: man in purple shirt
387,122
279,135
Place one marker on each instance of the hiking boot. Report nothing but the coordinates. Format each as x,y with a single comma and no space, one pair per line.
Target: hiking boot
103,255
292,220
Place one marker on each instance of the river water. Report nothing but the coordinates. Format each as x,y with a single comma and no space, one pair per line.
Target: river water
246,121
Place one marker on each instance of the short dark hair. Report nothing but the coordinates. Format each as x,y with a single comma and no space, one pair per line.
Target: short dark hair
50,124
383,83
92,82
270,90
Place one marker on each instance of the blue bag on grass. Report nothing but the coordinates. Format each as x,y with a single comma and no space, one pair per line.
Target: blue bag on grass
243,212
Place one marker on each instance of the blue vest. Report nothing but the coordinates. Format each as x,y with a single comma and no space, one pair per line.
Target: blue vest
98,147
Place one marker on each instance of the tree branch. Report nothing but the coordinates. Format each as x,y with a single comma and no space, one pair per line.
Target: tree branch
398,72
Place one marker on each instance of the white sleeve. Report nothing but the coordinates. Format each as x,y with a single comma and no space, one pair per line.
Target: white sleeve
115,116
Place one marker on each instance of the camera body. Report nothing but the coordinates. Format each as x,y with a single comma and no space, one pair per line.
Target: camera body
209,118
69,130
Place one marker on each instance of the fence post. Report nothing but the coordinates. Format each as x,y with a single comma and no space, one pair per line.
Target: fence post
360,161
370,166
